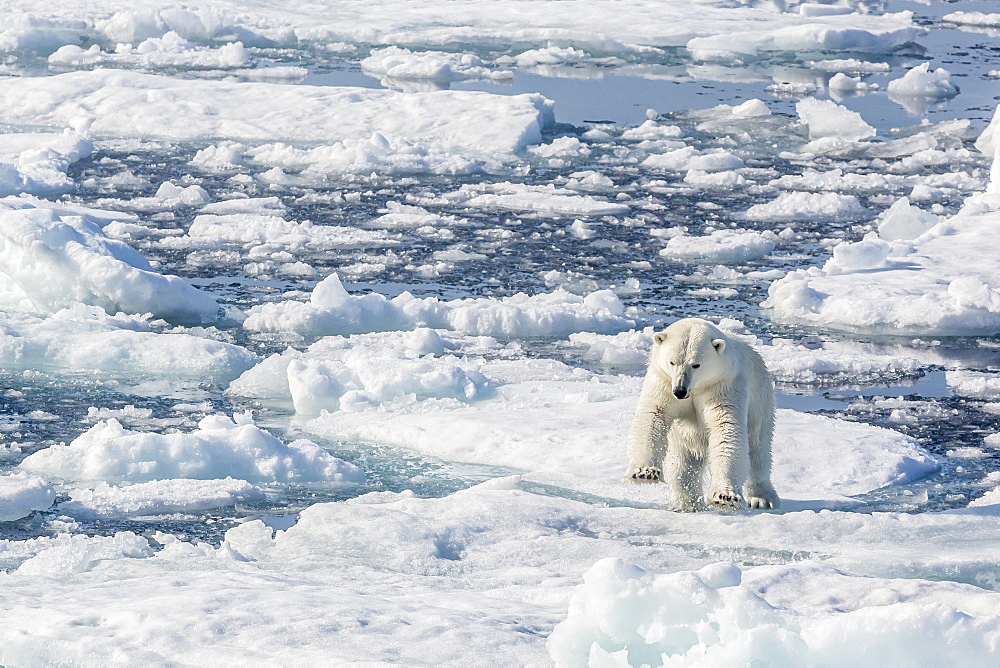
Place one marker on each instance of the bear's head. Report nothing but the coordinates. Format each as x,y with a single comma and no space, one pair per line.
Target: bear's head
691,354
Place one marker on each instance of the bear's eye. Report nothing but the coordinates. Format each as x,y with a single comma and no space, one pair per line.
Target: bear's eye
695,366
673,364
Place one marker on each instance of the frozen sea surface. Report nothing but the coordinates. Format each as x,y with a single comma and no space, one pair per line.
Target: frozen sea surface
321,328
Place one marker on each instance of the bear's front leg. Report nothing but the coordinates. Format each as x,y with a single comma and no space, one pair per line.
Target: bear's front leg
728,454
647,438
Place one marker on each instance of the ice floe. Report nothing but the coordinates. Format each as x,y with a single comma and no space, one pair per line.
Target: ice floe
721,246
158,497
437,66
54,255
85,338
23,493
36,163
939,283
123,103
332,310
542,200
220,447
825,119
791,206
541,416
922,86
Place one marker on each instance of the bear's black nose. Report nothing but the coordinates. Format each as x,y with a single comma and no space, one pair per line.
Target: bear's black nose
681,393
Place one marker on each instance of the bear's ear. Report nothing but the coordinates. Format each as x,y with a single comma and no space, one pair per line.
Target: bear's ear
659,337
719,345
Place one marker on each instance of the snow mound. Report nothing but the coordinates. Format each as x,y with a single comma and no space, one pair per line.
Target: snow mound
52,255
21,494
623,615
855,458
130,104
220,447
159,497
331,310
903,221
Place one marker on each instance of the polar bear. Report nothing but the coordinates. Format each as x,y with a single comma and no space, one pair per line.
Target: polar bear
707,402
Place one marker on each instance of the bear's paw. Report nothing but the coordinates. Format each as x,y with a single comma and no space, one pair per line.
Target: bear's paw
644,474
726,498
761,496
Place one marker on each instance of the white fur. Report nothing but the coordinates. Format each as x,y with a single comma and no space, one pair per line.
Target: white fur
707,403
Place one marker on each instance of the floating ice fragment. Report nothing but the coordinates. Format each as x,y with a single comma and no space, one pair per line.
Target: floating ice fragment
57,255
807,206
159,497
751,109
973,19
219,448
396,63
921,81
720,575
581,230
650,129
829,119
542,200
721,246
21,494
841,83
193,195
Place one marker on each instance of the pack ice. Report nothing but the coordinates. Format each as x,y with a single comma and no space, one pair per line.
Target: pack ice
433,478
936,281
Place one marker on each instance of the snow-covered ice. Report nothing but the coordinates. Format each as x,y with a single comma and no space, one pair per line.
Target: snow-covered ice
53,256
322,326
159,497
332,310
22,493
219,447
938,283
122,103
